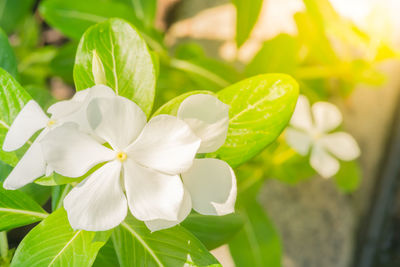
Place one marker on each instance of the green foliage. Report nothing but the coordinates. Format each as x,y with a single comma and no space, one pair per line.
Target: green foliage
348,178
137,246
258,243
54,243
12,12
7,58
260,108
247,13
131,75
145,11
18,209
213,231
63,63
12,98
106,256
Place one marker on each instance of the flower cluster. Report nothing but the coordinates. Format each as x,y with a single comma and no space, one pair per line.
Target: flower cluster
149,167
311,128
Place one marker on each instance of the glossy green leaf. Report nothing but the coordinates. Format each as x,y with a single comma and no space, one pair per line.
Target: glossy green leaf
260,108
40,194
127,62
18,209
106,256
213,231
258,243
348,178
247,13
137,246
7,57
12,98
12,12
54,243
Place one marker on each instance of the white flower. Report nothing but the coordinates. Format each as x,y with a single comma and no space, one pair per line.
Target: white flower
32,119
141,170
310,128
210,184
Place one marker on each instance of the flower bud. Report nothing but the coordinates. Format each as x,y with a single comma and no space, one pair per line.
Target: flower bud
98,70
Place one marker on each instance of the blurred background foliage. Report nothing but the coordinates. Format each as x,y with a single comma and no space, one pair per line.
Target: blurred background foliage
328,56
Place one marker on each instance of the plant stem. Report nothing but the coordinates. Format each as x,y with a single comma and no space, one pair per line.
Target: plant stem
3,244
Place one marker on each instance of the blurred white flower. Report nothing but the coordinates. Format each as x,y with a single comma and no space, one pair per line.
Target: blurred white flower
210,184
311,128
144,160
32,119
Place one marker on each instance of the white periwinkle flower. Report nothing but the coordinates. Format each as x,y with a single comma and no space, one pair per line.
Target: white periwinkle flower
210,184
32,119
141,164
311,128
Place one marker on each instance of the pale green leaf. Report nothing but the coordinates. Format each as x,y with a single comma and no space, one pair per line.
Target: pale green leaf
18,209
54,243
260,108
247,13
12,99
126,60
258,243
137,246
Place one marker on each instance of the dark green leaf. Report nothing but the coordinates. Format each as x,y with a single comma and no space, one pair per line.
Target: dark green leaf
12,11
106,256
213,231
127,62
18,209
137,246
258,243
63,63
7,56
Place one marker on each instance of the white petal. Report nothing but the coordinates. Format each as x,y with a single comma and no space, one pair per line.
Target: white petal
209,119
98,203
298,140
71,152
327,116
74,110
212,186
30,119
29,168
301,117
342,145
152,195
117,120
326,165
166,144
184,211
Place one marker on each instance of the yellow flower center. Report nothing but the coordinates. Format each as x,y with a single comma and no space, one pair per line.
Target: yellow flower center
121,156
51,123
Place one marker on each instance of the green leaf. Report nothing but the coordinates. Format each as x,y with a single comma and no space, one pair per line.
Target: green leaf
73,17
213,231
7,57
58,194
126,60
37,192
137,246
12,11
247,13
260,108
63,63
348,178
54,243
12,99
106,256
276,55
18,209
258,243
145,10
